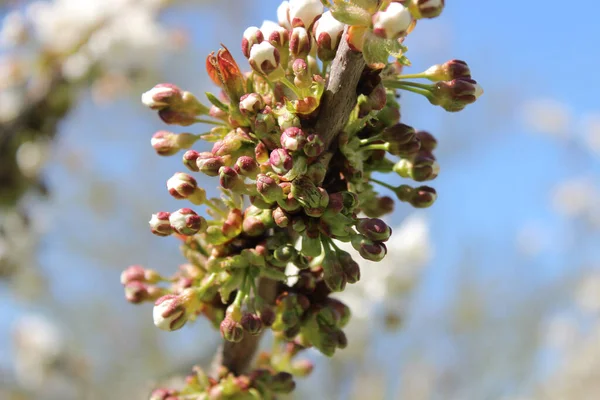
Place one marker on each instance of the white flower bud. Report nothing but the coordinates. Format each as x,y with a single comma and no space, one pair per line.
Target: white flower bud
331,27
283,16
275,34
393,22
161,96
304,12
252,36
181,185
160,224
264,58
169,313
186,222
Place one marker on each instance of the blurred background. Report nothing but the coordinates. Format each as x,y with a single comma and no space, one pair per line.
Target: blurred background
493,293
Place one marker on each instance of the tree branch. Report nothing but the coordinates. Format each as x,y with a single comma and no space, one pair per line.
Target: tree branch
336,105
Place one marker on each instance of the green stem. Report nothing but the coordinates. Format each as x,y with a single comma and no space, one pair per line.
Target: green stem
291,86
207,121
421,75
370,139
376,146
384,184
425,86
242,292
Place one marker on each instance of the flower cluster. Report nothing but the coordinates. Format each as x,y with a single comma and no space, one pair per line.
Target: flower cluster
290,192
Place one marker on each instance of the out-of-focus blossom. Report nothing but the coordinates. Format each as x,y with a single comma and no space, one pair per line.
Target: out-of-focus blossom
547,116
591,132
576,197
587,295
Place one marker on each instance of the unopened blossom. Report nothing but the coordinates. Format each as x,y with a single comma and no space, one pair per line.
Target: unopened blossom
264,59
283,14
251,36
328,32
304,12
393,22
169,312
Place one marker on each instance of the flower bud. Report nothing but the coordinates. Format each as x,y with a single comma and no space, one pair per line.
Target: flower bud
189,160
304,12
133,273
281,161
261,153
302,367
426,8
328,32
162,96
316,173
302,77
251,104
230,179
392,23
209,164
264,59
300,42
136,292
400,133
283,382
247,166
160,224
268,188
283,15
275,34
423,197
186,222
453,69
422,168
314,145
168,143
231,330
252,324
169,312
256,221
287,119
428,142
456,94
251,36
351,271
285,254
293,139
267,316
374,229
368,249
181,185
333,275
280,217
163,394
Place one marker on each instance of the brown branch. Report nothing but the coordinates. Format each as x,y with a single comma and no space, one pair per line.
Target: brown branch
336,105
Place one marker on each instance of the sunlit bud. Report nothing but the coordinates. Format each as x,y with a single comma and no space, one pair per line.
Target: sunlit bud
368,249
268,188
209,164
314,145
252,36
168,143
456,94
425,8
186,222
217,113
328,32
374,229
133,273
428,142
136,292
251,323
181,185
400,133
300,42
251,104
231,330
423,167
283,14
264,59
256,221
293,139
230,179
287,119
261,153
189,160
233,224
302,77
275,34
453,69
423,197
281,161
393,22
281,217
162,96
247,166
160,224
304,12
163,394
356,37
169,312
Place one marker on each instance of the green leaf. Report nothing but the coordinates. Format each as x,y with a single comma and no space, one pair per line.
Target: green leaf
375,50
351,14
216,102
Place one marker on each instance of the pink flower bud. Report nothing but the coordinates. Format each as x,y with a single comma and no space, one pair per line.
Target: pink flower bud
189,160
209,164
162,96
181,185
300,42
186,222
293,139
392,23
268,188
160,224
163,394
136,292
328,32
304,12
231,330
251,323
168,143
133,273
169,313
281,161
264,58
229,178
247,166
252,36
251,104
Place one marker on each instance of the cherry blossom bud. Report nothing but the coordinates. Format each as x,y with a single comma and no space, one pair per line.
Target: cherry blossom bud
374,229
136,292
426,8
168,143
209,164
304,12
275,34
231,330
287,119
423,197
251,36
328,32
189,160
247,166
252,324
163,394
300,42
428,141
314,145
256,221
421,168
293,139
302,77
230,179
186,222
281,161
133,273
351,271
268,188
283,15
392,23
368,249
169,312
261,153
162,96
160,224
181,185
453,69
251,104
264,59
267,316
456,94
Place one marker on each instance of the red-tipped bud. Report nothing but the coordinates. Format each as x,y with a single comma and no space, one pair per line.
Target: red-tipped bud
283,16
304,12
328,32
268,188
252,324
453,69
168,143
162,96
181,185
252,36
189,160
251,104
136,292
293,139
247,166
280,217
281,161
231,330
186,222
229,178
160,224
368,249
314,145
264,59
300,42
374,229
456,94
209,164
163,394
169,312
275,34
392,23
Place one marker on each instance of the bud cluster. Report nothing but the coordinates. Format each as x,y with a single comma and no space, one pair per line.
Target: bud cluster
288,196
